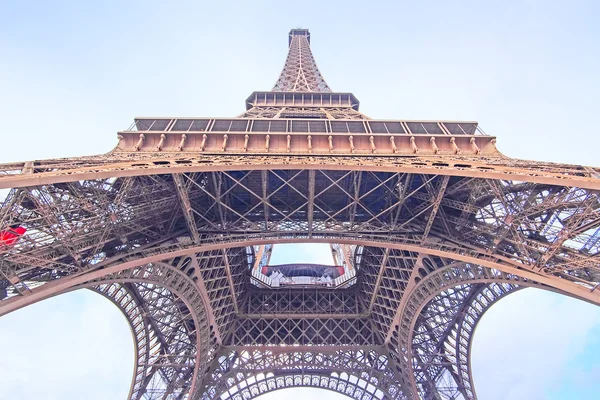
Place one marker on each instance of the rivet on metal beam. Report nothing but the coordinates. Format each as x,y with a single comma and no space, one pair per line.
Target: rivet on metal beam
309,143
203,142
493,142
330,138
289,143
413,146
183,137
434,146
351,140
246,137
224,145
267,138
454,146
161,142
139,143
474,146
28,168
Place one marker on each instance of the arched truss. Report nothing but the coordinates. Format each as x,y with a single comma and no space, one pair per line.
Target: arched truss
174,341
546,229
107,166
164,226
442,339
427,242
437,321
245,374
425,289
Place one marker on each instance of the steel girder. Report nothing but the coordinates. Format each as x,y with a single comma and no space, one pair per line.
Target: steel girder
266,112
499,224
433,329
266,303
360,374
164,335
173,335
115,164
170,237
443,336
72,227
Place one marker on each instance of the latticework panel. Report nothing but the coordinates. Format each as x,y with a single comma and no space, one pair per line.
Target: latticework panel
432,340
223,274
174,340
336,332
384,276
443,337
343,113
544,229
170,224
306,301
360,374
300,73
408,229
164,334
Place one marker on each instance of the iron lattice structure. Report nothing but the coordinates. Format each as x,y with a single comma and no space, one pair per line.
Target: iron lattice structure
429,223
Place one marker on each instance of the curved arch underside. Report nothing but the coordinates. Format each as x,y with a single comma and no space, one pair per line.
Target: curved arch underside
172,247
360,374
441,342
165,347
174,342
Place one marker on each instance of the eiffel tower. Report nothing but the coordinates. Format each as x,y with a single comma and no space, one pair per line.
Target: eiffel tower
428,224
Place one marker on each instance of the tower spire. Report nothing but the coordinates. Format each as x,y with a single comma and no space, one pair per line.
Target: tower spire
300,72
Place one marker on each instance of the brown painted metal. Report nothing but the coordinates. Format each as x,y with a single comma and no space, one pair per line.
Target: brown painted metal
431,220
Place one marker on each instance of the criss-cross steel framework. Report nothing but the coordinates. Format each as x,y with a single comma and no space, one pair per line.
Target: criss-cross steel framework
431,223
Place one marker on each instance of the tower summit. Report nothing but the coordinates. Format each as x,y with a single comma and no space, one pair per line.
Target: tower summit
300,72
428,223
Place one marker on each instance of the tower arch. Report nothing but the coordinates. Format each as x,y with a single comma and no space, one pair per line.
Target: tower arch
437,323
354,373
432,214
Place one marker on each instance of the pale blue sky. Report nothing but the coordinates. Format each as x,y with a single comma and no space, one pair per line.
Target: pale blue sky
73,73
